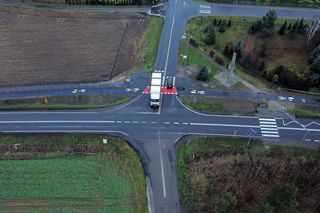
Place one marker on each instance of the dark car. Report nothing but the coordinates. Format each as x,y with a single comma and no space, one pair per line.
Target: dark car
169,83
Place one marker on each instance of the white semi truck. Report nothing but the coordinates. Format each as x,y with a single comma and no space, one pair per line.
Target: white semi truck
155,89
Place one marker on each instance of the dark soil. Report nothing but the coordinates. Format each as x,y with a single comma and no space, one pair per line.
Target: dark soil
46,47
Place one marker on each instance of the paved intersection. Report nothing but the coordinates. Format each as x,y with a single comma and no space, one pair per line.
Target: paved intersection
154,132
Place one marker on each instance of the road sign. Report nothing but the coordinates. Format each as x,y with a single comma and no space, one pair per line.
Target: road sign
251,132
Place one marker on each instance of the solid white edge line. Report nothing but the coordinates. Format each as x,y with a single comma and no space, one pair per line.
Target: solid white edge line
68,131
162,172
222,125
48,112
300,129
58,121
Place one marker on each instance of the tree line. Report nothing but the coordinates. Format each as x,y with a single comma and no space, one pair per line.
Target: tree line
109,2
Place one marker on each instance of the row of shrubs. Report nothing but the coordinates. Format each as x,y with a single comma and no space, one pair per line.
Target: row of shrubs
108,2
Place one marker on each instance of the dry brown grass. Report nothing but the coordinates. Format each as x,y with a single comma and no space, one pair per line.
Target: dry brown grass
251,177
46,47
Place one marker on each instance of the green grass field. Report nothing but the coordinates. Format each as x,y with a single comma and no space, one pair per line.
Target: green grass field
195,58
110,181
150,43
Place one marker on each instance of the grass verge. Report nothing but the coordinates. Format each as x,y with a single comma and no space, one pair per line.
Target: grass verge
70,173
304,113
288,3
196,58
221,105
150,43
68,102
204,106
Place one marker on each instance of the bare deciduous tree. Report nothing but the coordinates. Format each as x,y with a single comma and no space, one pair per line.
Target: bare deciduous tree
313,27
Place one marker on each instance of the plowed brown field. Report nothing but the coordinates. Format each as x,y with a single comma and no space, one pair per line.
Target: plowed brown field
46,47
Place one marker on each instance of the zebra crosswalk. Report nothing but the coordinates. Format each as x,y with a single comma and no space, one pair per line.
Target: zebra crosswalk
269,128
205,9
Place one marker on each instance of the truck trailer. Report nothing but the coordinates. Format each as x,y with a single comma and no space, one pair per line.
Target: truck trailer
155,89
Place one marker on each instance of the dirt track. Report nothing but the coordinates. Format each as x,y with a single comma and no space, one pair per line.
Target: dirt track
42,47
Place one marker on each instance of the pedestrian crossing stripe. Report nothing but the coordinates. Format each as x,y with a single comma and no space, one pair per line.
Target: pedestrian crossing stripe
269,127
159,71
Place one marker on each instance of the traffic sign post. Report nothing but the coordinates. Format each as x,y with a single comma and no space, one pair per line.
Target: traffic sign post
250,133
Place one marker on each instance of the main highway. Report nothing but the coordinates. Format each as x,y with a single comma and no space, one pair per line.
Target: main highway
154,133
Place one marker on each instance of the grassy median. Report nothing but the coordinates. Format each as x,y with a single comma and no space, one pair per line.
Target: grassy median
150,43
70,173
64,102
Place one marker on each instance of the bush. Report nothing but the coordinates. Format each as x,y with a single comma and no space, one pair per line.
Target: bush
252,62
219,60
229,23
290,79
228,51
222,27
210,36
314,54
194,43
315,67
283,28
264,208
269,19
225,203
238,48
203,74
284,199
275,78
211,53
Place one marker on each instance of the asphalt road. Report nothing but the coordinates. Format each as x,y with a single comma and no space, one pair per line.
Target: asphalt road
154,132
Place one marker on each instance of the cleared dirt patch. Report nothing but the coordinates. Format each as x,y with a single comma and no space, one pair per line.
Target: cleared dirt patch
45,47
